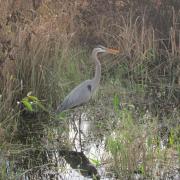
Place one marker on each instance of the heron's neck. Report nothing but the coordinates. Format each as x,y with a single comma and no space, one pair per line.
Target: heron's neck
97,76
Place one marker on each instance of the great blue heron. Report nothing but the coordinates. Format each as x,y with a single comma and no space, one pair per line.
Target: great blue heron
82,93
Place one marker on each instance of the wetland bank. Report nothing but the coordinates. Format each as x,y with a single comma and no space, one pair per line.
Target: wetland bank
130,128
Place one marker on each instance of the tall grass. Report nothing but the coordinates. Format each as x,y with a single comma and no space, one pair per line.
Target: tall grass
38,60
136,148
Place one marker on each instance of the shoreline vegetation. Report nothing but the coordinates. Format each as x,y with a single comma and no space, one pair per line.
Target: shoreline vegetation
45,49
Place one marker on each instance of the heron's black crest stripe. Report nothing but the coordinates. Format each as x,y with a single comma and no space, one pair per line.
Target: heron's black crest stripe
100,46
89,87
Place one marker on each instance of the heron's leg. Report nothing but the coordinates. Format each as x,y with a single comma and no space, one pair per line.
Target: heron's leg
75,130
80,143
74,123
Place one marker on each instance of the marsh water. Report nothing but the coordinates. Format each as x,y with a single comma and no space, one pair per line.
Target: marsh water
64,147
49,152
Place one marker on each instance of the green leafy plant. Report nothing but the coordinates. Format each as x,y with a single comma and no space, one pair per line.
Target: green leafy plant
116,103
32,103
95,162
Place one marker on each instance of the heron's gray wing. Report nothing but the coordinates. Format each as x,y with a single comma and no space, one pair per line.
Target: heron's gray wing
79,95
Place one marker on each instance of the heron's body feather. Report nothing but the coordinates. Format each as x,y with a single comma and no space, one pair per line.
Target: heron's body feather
78,96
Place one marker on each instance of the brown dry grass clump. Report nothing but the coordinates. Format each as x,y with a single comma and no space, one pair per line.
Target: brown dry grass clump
31,39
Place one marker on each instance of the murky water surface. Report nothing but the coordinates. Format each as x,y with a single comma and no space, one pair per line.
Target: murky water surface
59,149
72,148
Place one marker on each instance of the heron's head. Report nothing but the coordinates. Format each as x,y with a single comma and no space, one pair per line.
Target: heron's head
102,49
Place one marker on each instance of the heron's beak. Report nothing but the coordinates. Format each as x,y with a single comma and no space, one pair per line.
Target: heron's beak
112,51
